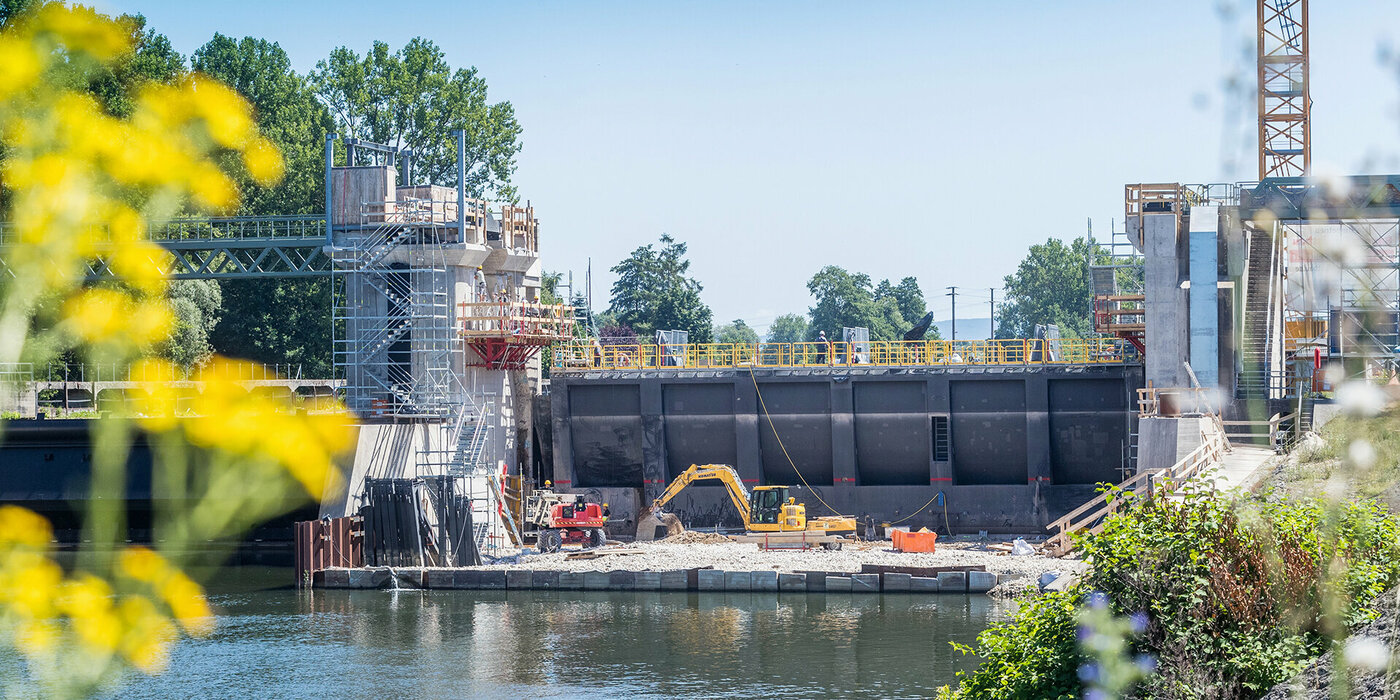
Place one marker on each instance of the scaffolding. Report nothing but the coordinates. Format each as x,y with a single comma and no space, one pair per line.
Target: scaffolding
393,316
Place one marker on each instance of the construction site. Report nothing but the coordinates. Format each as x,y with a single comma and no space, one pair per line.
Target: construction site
494,429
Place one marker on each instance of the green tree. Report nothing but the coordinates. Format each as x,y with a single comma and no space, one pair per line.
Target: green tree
197,305
788,328
287,113
653,293
297,330
153,60
736,332
413,98
1051,285
846,299
909,297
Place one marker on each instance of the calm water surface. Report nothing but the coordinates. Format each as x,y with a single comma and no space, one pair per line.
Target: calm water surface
274,641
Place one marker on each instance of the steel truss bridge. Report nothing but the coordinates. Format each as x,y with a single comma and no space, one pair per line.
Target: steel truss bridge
238,247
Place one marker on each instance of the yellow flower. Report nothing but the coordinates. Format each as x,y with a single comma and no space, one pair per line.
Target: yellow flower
86,600
29,583
19,65
264,162
82,29
142,564
24,526
150,322
146,643
186,601
97,315
141,264
224,111
211,188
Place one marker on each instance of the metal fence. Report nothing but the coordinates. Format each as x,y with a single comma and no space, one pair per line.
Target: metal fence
585,355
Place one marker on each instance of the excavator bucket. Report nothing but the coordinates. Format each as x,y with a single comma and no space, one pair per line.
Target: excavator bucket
658,525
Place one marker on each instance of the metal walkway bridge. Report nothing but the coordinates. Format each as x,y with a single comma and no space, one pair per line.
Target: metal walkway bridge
239,247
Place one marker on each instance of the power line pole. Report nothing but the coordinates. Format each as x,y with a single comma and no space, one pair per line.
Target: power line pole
953,292
992,320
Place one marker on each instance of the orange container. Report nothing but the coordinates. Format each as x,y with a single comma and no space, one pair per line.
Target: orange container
914,541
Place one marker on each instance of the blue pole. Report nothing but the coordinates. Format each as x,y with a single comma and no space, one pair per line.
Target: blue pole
330,163
461,185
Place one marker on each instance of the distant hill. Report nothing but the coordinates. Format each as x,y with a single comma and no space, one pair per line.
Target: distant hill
968,328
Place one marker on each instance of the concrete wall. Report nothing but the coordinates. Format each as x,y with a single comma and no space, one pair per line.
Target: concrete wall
1167,326
1019,439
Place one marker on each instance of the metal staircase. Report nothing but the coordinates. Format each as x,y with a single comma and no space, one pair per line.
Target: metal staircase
1257,352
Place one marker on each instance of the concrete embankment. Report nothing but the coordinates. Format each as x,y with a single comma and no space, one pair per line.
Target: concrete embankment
866,567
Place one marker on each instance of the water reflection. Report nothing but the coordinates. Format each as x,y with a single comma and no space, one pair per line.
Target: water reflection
283,642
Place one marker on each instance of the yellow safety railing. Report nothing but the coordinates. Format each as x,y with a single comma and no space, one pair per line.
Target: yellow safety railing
589,354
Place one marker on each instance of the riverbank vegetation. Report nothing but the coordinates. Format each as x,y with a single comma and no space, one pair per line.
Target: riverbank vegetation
1233,594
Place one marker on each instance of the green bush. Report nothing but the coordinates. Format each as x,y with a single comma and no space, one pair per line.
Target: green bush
1237,596
1032,656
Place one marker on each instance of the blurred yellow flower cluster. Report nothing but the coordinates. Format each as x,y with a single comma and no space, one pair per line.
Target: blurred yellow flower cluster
226,416
81,185
74,171
132,620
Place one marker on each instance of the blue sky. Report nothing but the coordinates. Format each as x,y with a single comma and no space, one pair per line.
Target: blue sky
933,139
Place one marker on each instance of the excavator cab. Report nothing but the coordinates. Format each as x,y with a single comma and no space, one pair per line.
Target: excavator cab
771,509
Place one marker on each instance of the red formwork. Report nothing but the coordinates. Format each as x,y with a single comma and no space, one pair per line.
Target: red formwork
322,544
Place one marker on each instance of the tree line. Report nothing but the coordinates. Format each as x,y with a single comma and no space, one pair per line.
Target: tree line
653,291
410,97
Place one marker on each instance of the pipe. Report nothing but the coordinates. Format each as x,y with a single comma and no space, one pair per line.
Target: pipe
330,163
461,185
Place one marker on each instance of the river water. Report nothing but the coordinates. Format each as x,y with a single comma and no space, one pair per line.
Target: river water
276,641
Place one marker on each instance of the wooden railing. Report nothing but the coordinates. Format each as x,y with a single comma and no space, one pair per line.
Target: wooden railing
1159,483
1274,424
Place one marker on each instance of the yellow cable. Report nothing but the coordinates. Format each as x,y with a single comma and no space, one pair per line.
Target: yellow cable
921,509
784,448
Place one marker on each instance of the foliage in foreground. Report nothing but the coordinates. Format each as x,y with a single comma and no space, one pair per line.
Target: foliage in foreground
81,180
1234,597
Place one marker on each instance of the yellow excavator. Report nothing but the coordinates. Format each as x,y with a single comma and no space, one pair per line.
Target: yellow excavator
769,512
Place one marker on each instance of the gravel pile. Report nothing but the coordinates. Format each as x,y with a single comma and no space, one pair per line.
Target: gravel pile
669,555
1369,650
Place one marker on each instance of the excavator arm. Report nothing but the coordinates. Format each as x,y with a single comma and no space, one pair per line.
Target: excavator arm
724,473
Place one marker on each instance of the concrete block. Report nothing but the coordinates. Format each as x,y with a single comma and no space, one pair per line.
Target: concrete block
520,579
335,578
952,582
763,580
466,579
368,578
865,583
440,579
838,584
493,580
570,581
622,580
737,581
895,583
544,579
675,580
710,579
647,581
595,580
923,584
980,581
816,582
792,583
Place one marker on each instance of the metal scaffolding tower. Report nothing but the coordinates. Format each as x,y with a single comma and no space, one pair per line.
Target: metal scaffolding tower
394,324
